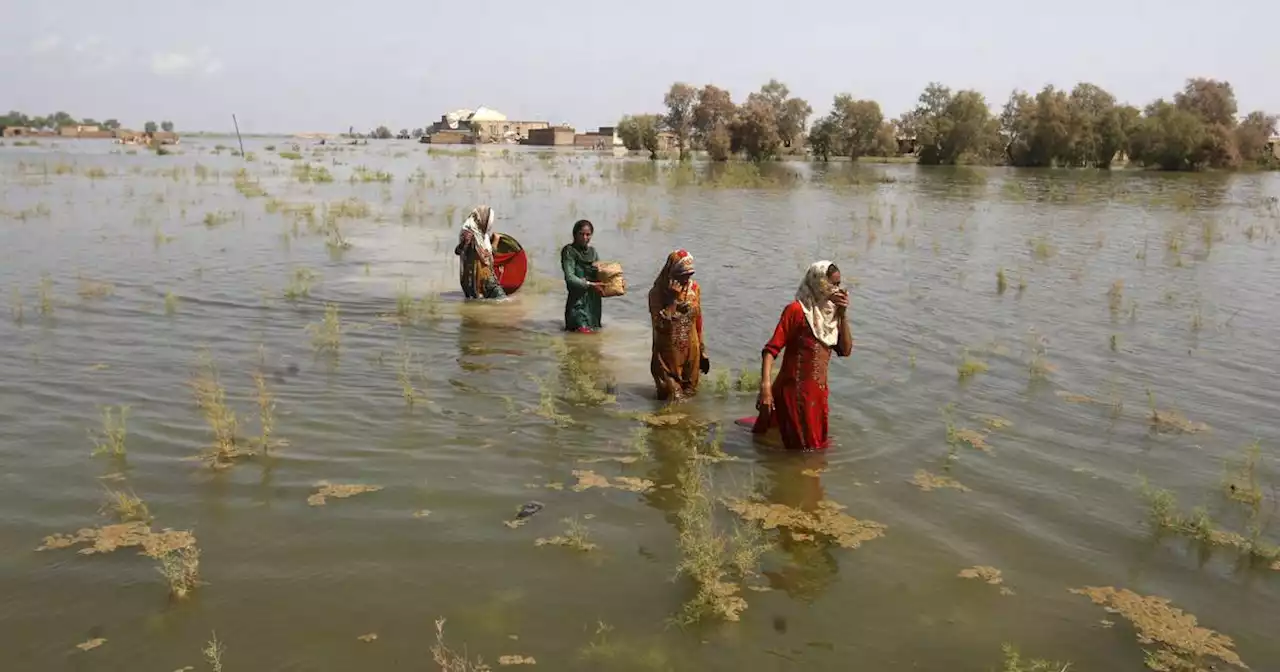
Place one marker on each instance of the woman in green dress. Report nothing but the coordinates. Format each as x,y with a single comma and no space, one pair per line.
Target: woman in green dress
578,260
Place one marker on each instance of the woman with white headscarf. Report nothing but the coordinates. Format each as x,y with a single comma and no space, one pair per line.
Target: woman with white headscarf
476,243
811,327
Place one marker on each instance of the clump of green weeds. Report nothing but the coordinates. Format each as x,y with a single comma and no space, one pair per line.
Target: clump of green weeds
748,380
110,439
126,506
213,220
211,399
213,653
46,295
181,569
1002,282
306,172
1115,297
247,186
299,284
1013,662
364,174
1240,480
326,335
576,536
547,407
266,410
1038,361
450,660
717,562
405,373
291,156
16,310
970,366
170,303
1165,516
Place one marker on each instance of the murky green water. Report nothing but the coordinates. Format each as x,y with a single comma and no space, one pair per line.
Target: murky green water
1055,504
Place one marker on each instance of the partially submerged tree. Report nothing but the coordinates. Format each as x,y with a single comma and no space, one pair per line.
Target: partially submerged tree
640,131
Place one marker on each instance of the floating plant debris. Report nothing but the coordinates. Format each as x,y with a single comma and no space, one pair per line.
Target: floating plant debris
974,438
1172,422
109,538
421,514
338,491
1076,398
1184,643
982,573
516,660
827,520
575,536
629,459
928,482
589,479
993,421
91,644
368,638
813,473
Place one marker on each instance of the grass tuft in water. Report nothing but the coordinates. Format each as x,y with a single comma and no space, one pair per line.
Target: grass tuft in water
181,569
46,295
576,536
110,439
16,309
266,411
707,553
404,375
748,380
450,660
126,506
213,653
1115,297
1240,480
211,399
299,284
1013,662
326,335
970,366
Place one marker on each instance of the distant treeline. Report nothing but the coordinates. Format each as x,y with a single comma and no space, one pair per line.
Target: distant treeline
1085,127
58,120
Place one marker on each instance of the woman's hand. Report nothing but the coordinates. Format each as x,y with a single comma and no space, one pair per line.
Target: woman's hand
597,287
764,401
841,300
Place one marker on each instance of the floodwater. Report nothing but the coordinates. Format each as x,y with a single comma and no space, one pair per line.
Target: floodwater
1054,504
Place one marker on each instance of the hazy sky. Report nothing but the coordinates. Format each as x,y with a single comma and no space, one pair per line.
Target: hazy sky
288,65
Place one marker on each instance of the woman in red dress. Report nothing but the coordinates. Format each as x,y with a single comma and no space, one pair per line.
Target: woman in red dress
810,328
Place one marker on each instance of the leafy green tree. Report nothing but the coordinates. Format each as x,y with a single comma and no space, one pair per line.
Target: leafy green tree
714,110
1169,137
824,137
166,126
886,143
791,114
417,133
111,125
755,130
859,121
720,141
640,131
679,119
149,127
1211,100
382,133
954,128
60,119
1252,136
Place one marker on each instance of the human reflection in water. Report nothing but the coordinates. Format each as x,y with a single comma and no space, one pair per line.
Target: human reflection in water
793,479
584,376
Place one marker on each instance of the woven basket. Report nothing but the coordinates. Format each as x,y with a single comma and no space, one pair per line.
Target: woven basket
609,273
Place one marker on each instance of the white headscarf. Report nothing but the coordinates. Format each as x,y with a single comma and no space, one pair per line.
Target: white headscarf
814,296
480,223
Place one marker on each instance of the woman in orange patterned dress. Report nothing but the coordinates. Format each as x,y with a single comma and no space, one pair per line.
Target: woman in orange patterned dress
810,329
675,308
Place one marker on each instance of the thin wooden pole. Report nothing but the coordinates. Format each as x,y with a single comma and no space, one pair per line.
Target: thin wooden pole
238,138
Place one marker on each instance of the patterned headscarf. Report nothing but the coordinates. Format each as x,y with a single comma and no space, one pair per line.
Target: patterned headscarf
478,224
814,296
678,263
